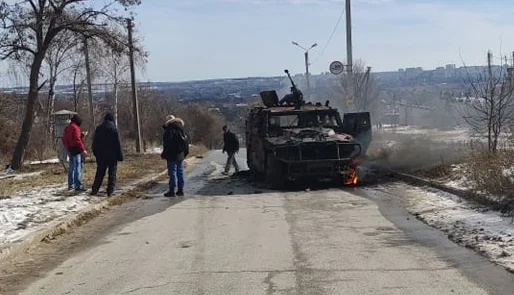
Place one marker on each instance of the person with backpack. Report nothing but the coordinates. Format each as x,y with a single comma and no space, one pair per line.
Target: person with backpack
175,150
72,141
107,150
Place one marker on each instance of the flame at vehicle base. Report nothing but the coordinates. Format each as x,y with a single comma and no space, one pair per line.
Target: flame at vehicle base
352,178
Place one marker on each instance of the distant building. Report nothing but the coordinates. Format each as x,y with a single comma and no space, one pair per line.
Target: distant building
413,73
440,73
450,70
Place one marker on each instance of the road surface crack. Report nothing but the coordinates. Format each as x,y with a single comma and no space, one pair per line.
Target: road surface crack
146,287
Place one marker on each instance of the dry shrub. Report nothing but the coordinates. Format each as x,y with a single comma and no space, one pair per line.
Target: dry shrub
201,123
8,137
493,175
9,125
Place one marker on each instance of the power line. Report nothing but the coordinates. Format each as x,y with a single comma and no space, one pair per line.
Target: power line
331,35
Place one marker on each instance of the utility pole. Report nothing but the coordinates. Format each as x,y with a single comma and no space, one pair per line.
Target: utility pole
349,57
89,90
134,91
307,75
115,72
510,69
491,98
365,105
306,54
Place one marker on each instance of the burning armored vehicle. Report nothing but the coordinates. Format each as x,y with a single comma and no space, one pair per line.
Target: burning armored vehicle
290,140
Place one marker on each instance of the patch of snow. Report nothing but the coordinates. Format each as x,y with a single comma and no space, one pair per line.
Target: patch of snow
456,135
154,150
459,180
217,172
19,176
462,183
488,232
509,173
27,212
49,161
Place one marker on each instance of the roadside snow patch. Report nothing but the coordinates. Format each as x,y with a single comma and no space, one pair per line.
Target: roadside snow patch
19,176
488,232
25,213
154,150
49,161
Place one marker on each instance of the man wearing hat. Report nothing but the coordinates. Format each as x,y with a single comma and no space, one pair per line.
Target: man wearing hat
175,150
107,150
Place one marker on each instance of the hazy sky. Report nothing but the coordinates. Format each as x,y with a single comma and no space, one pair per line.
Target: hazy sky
198,39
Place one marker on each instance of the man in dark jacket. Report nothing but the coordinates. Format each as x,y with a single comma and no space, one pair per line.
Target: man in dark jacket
107,150
72,141
231,146
175,150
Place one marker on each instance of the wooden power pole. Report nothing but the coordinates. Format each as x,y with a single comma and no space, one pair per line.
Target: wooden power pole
89,90
349,54
137,125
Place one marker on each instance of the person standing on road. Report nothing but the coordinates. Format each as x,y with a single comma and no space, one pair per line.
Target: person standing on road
72,141
175,150
107,150
231,146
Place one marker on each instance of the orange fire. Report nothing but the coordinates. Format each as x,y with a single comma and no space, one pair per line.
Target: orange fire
352,178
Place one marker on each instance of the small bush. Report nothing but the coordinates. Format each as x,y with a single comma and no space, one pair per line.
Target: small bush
493,175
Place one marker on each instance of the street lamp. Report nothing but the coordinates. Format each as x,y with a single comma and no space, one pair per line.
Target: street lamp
306,65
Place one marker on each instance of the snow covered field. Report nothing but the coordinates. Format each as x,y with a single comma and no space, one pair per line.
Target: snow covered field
456,135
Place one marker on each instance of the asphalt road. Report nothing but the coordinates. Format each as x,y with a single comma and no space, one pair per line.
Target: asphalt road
228,236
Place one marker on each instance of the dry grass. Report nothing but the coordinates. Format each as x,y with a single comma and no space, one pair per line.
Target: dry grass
441,171
486,170
134,166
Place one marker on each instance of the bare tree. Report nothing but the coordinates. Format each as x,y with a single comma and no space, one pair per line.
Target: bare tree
29,28
116,68
119,66
365,88
58,60
78,79
489,107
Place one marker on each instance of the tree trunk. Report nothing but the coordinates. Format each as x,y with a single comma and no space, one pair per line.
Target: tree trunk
89,86
116,103
50,105
115,71
28,121
75,92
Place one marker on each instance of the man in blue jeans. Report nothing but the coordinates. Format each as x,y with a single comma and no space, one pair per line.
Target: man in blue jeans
72,141
175,150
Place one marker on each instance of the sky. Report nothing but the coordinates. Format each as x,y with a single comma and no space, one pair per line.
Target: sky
204,39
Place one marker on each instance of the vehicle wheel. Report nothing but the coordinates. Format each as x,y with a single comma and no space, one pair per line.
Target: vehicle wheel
248,157
256,175
274,175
